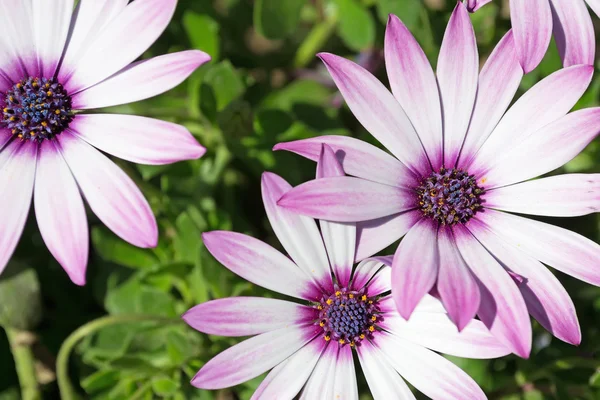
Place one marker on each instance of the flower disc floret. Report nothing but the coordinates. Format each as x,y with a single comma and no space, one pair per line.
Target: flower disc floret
450,196
36,109
347,316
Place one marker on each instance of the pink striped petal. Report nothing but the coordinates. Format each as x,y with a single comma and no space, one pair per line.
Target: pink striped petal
435,331
364,272
563,139
298,234
546,299
50,27
320,382
252,357
287,379
532,26
377,110
17,175
377,234
573,32
89,19
415,87
382,281
347,199
115,47
502,307
381,377
138,139
60,212
344,380
456,285
415,267
358,158
474,5
559,248
568,195
141,80
427,371
246,316
111,194
457,72
498,82
260,264
549,100
339,238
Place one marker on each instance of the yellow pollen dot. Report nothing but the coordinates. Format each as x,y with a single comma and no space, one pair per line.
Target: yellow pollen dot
362,336
329,301
351,296
24,123
20,136
6,110
11,98
351,344
32,133
49,93
341,341
327,338
370,301
19,86
319,307
338,293
321,324
47,85
371,328
44,124
14,131
373,318
57,112
12,119
364,297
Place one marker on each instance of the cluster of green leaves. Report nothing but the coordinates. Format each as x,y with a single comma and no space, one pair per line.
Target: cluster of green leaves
264,85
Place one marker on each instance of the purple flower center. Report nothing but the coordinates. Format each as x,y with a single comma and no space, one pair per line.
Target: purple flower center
450,196
347,316
36,109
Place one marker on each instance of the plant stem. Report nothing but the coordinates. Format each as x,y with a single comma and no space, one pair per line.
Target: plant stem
24,363
316,38
67,391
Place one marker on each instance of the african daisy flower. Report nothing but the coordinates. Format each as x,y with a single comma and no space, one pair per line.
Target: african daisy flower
461,163
534,20
55,64
309,346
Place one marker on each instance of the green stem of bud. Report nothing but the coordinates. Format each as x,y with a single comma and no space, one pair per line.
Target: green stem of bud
20,345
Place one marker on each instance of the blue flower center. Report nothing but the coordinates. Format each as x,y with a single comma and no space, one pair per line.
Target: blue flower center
348,317
36,109
450,196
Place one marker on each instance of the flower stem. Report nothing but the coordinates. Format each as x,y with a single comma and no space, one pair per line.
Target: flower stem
67,391
20,345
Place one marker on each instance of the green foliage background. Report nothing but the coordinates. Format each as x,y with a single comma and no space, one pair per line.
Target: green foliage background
263,86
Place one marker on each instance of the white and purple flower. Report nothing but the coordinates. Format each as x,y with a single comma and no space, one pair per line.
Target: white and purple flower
533,22
460,163
309,346
55,63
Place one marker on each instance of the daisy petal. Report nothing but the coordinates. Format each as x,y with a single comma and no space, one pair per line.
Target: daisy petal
567,195
60,212
252,357
559,248
141,80
346,199
502,307
532,27
377,234
549,100
427,371
457,73
344,380
415,87
594,5
498,82
286,380
438,333
320,384
377,110
573,32
148,19
51,25
564,139
547,300
381,377
456,285
230,316
260,264
17,175
357,158
137,139
415,267
111,194
381,282
298,234
17,42
474,5
339,238
364,272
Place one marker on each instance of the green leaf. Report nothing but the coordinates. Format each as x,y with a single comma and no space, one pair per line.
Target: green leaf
225,82
277,19
595,379
100,380
408,11
356,25
164,386
203,33
187,242
20,300
115,250
178,347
